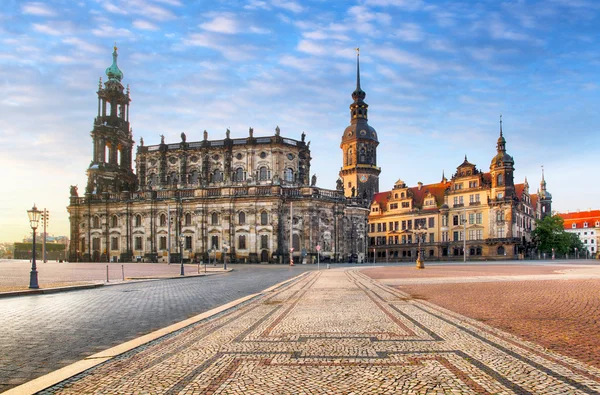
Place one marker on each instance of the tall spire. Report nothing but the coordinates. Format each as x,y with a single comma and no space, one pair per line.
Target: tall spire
500,125
501,145
358,95
543,182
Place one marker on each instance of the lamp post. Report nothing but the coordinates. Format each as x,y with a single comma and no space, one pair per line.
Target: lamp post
181,240
419,233
224,257
34,218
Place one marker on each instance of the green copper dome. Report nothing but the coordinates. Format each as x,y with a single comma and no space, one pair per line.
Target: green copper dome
113,72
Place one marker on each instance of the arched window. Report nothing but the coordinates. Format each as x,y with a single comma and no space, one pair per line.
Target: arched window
215,219
138,220
349,156
173,179
500,179
264,218
96,222
262,173
193,177
501,250
114,221
188,219
239,174
217,176
289,175
163,220
242,218
363,157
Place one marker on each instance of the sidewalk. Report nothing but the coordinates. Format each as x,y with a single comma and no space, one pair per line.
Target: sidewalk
66,276
334,331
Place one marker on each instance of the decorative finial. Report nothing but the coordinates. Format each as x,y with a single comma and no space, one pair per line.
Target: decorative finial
466,158
127,89
100,83
500,125
115,46
357,51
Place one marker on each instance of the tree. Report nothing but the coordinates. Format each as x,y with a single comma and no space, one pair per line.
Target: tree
550,233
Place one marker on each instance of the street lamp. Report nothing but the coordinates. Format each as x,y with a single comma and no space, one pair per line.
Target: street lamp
420,232
181,240
224,257
34,219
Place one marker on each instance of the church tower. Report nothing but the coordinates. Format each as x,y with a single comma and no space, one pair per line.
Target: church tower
111,167
359,172
502,171
545,198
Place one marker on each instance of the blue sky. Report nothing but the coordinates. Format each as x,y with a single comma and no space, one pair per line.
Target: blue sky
437,74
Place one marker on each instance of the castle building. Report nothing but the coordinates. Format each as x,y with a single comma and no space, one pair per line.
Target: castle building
249,198
586,225
485,214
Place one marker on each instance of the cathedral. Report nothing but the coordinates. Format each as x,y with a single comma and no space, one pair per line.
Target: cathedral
249,199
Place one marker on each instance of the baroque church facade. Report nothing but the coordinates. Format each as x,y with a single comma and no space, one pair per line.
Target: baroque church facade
251,199
483,215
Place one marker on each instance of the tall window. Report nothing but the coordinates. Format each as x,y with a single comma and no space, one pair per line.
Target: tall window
296,242
349,157
431,222
500,180
242,218
138,243
478,218
215,219
289,175
138,220
114,243
188,219
214,242
264,241
193,179
95,222
114,221
455,220
188,242
262,173
444,220
239,174
162,242
471,218
500,233
163,220
242,242
264,218
96,244
218,176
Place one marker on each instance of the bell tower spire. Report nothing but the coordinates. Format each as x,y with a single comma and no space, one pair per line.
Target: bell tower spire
359,171
111,166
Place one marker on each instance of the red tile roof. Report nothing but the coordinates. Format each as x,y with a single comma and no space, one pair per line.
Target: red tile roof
418,195
579,218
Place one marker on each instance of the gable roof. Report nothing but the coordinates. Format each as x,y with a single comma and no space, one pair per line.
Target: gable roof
579,218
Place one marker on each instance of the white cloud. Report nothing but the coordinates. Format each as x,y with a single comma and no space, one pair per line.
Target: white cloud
46,29
111,32
39,9
287,5
312,48
110,7
235,52
410,32
409,5
150,10
225,24
144,25
257,4
83,45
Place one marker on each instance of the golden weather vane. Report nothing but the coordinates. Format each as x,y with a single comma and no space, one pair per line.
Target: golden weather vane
357,51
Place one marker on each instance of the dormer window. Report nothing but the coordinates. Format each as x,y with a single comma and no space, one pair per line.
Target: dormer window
585,224
574,226
597,224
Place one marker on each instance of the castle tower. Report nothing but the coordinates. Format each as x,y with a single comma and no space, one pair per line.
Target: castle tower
545,198
111,167
502,171
359,172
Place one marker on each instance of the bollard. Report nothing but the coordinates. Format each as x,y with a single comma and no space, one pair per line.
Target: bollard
123,272
107,280
328,266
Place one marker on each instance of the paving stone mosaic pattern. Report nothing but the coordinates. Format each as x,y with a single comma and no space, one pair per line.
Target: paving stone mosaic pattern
337,332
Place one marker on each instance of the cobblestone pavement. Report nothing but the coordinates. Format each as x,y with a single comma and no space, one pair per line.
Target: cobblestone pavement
337,332
561,315
42,333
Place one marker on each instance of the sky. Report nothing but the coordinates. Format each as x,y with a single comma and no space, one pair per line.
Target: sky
437,74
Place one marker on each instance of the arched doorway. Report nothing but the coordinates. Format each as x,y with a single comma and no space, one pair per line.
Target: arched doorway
264,256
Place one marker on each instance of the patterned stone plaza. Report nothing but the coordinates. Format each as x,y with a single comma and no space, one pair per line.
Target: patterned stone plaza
336,332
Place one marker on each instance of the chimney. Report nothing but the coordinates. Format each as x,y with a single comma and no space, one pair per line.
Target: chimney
420,184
